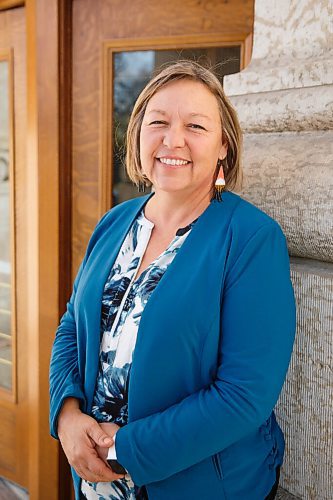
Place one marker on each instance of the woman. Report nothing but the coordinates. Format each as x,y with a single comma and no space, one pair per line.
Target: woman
191,293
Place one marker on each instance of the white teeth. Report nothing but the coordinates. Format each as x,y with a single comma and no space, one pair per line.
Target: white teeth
169,161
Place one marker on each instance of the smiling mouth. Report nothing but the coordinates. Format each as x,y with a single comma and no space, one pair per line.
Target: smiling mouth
173,163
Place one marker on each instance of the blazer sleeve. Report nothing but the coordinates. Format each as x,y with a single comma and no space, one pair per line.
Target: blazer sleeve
65,380
64,376
257,325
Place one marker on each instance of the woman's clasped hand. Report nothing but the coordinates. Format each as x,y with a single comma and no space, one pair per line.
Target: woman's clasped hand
86,443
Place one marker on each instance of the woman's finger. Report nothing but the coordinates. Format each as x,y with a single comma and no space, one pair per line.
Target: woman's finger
96,472
96,433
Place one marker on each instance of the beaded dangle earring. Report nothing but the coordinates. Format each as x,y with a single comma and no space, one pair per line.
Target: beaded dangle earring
219,183
141,187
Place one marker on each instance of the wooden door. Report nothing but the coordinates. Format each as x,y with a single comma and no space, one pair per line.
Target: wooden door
106,34
13,236
35,242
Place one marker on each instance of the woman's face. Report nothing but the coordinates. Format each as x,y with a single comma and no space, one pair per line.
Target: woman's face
181,138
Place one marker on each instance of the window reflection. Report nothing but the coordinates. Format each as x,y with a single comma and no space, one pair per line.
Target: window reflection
132,70
5,265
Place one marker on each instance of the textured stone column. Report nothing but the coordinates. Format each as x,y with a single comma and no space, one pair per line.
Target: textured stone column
284,100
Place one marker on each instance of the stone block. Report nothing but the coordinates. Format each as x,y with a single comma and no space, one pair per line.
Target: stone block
304,409
289,176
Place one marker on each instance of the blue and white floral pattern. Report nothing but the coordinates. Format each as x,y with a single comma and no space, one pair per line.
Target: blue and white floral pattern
124,299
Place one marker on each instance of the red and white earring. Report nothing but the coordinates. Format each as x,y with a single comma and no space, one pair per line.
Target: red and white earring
219,183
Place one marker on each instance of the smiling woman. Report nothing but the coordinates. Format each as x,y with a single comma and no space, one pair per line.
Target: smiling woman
179,144
187,107
193,301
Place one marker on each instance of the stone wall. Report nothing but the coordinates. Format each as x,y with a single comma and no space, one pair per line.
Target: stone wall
284,101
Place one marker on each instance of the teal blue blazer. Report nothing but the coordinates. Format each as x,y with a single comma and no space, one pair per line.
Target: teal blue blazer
212,352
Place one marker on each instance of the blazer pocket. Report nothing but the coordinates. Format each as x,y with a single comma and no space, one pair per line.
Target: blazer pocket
217,464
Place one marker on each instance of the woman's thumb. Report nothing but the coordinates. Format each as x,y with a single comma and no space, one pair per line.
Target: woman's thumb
99,436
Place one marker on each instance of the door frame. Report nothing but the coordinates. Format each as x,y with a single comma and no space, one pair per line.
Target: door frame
48,194
49,30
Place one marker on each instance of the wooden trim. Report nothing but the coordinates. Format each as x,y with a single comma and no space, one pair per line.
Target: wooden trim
11,395
65,24
43,242
13,224
105,170
65,150
246,51
10,4
176,42
109,47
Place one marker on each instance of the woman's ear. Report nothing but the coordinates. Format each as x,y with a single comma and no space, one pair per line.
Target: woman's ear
223,151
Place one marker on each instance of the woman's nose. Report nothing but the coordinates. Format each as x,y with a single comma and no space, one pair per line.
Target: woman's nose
174,137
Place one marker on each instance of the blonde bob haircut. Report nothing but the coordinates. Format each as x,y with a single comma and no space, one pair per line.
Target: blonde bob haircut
231,131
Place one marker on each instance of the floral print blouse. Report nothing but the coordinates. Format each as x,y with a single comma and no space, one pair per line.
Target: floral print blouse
123,301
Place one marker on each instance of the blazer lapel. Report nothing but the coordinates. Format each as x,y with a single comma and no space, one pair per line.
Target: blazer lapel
90,291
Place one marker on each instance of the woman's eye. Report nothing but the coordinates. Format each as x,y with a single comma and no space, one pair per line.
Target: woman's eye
196,126
157,122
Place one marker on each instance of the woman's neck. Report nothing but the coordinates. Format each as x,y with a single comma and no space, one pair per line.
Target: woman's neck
171,211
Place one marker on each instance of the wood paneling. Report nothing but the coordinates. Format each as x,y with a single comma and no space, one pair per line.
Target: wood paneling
14,411
86,95
128,18
43,252
100,21
10,4
65,191
65,149
42,137
8,457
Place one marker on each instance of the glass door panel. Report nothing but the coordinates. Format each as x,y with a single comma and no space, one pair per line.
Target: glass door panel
6,355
